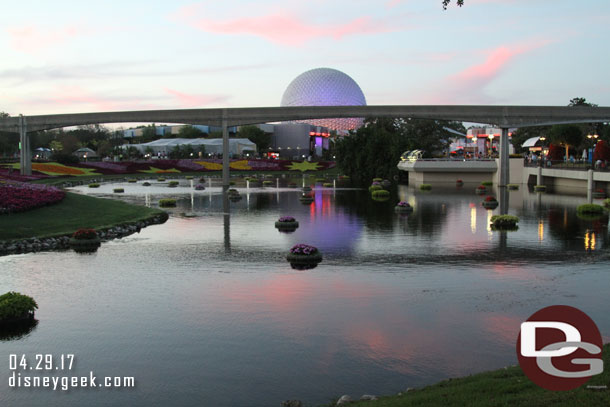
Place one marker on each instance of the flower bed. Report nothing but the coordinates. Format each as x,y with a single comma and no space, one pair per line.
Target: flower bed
20,197
173,184
403,207
459,183
303,256
85,241
480,190
199,187
16,307
287,223
146,184
94,185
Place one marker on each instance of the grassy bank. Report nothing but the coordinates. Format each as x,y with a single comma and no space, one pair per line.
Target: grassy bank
504,387
73,212
216,174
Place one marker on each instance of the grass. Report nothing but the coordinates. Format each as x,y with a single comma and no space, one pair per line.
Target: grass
503,387
72,213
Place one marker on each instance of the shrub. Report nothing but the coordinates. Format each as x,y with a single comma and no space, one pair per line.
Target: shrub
65,158
374,188
540,188
590,209
231,182
490,199
504,222
425,187
94,185
161,179
146,184
118,190
267,183
487,183
85,234
199,187
380,193
188,177
173,184
14,305
377,179
167,203
607,203
320,179
132,180
327,185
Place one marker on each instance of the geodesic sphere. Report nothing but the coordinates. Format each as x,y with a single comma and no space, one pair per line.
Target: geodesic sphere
325,87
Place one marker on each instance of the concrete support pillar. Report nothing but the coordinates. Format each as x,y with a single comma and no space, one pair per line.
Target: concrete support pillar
590,186
225,151
539,177
25,153
504,177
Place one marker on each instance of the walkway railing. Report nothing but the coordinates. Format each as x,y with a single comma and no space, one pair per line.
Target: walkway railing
577,165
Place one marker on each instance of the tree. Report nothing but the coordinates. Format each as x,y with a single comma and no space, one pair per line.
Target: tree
446,3
56,145
580,102
189,131
522,134
555,152
602,151
566,135
149,133
255,135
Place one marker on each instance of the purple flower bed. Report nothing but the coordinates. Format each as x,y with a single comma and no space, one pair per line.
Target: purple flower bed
304,249
376,183
403,204
19,197
286,219
199,187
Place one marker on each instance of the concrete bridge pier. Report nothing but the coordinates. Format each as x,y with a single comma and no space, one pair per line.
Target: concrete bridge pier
25,159
590,186
504,176
539,175
225,151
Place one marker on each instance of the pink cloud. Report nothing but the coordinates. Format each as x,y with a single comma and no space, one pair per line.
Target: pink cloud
393,3
32,39
190,100
281,27
468,85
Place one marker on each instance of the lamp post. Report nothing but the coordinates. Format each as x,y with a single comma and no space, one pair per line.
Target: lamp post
476,146
593,138
491,142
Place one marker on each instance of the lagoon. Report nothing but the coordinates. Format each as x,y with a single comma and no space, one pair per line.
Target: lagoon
205,310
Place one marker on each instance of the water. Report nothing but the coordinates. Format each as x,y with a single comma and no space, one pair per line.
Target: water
206,310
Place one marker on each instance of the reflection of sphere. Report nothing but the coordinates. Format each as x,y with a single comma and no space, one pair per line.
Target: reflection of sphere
325,87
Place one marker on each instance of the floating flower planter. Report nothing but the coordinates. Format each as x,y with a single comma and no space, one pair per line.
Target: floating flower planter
267,183
403,207
85,241
490,203
487,183
287,224
199,187
118,190
598,194
16,308
306,189
95,185
504,222
459,183
480,190
539,188
377,180
304,257
320,180
425,187
146,184
306,199
513,187
234,197
327,185
188,177
386,183
173,184
161,179
167,203
132,180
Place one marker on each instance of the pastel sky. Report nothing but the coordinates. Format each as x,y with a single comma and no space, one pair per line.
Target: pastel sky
79,56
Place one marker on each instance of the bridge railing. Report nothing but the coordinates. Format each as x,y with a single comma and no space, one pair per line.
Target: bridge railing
575,165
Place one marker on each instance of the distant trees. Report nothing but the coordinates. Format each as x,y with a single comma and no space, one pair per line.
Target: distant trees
189,131
446,3
255,135
374,150
566,135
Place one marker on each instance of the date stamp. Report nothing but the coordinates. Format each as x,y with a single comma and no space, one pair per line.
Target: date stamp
45,370
41,361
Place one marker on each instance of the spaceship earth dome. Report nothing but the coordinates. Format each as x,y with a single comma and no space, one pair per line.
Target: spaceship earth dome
325,87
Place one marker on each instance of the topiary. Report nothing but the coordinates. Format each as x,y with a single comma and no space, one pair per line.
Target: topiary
167,203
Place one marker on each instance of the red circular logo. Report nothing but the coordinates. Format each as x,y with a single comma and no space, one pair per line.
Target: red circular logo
560,348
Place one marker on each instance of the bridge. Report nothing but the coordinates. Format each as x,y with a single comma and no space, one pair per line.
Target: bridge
504,117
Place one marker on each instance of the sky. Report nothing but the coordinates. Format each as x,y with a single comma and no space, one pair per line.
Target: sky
84,56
